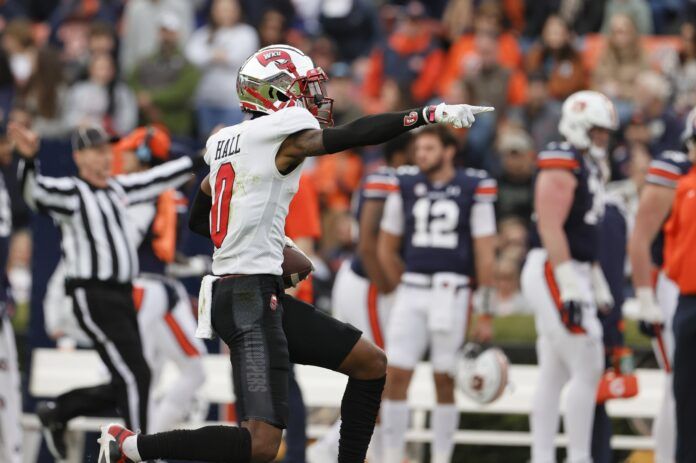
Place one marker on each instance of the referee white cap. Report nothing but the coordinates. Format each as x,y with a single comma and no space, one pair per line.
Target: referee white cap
88,137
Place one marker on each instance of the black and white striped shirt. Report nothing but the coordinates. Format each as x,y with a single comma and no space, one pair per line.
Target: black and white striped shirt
93,221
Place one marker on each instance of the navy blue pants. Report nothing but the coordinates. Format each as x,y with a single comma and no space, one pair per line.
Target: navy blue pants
685,377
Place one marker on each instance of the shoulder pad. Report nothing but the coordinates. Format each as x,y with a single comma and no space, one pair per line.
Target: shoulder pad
380,183
667,168
676,157
558,156
385,170
559,146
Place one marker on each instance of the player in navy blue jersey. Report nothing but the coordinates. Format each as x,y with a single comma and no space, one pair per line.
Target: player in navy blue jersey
561,279
657,297
437,237
362,294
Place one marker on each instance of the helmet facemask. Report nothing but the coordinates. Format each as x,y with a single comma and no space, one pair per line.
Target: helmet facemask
596,151
311,91
282,91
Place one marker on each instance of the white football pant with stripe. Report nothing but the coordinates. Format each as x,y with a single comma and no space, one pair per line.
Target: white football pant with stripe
565,359
167,334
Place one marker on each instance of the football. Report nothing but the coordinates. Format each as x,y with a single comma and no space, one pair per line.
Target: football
296,266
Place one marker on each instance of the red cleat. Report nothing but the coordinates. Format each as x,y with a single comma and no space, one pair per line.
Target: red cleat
111,444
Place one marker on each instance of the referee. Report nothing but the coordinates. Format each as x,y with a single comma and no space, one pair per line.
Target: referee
101,261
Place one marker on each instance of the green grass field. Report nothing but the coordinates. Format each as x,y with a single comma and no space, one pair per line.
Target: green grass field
519,329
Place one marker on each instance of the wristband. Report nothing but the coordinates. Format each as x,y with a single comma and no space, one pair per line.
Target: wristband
484,295
428,114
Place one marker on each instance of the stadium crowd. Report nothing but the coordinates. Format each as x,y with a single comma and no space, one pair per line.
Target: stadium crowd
121,64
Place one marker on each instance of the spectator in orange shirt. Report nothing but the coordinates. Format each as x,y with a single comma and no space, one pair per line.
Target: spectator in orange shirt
556,58
411,57
303,226
336,178
463,56
681,236
487,83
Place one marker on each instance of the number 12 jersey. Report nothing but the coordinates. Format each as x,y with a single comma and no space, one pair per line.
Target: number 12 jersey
250,197
438,223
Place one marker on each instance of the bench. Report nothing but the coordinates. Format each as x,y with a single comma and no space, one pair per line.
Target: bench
55,371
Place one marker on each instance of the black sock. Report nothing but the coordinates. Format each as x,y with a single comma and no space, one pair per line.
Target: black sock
210,443
359,410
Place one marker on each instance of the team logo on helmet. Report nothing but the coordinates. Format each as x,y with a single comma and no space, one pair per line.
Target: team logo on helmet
282,60
579,105
482,375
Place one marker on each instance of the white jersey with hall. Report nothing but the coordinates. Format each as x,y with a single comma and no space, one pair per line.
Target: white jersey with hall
250,197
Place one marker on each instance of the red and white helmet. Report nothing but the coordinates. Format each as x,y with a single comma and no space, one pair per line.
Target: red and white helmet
581,112
482,375
280,76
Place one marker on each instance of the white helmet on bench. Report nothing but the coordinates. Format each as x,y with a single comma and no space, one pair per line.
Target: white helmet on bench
482,375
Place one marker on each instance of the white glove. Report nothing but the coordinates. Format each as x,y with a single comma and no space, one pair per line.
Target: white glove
601,290
566,279
459,116
572,299
649,310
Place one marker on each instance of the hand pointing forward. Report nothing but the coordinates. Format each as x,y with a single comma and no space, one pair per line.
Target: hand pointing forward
459,115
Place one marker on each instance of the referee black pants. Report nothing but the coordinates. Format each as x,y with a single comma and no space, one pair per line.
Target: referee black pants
685,377
106,312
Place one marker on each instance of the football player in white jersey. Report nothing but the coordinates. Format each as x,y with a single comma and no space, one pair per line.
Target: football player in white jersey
255,168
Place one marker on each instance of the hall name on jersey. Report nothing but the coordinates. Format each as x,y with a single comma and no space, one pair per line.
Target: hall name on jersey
227,147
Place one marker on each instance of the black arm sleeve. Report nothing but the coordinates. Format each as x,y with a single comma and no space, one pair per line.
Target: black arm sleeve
372,130
199,217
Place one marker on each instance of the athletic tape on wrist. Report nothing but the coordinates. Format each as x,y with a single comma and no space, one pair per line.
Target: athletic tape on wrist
429,114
